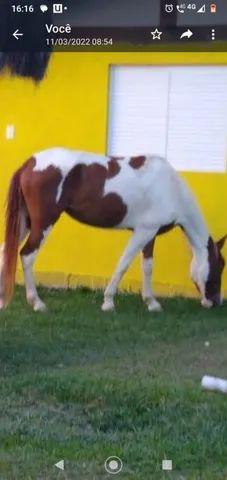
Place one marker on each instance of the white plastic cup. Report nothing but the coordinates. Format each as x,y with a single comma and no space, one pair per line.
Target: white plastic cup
214,383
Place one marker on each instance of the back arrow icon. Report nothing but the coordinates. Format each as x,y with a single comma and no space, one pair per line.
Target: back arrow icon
17,34
187,34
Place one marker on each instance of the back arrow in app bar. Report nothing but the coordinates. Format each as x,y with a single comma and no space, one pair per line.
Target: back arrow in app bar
17,34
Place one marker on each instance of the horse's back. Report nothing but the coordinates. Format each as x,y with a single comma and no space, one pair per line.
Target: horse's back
65,159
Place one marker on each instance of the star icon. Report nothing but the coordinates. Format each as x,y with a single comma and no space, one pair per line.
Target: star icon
156,34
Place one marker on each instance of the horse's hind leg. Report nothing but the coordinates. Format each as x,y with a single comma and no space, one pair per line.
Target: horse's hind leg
28,255
1,276
23,233
147,265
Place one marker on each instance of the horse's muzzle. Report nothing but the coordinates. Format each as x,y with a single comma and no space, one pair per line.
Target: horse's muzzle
215,301
206,303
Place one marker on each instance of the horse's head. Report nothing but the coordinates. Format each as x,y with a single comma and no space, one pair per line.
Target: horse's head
206,273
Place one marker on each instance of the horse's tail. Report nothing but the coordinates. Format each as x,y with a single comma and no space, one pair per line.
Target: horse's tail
14,205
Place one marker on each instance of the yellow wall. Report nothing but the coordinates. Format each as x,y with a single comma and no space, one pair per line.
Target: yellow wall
70,108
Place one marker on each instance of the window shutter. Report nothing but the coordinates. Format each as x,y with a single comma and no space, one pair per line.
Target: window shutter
138,111
197,133
177,112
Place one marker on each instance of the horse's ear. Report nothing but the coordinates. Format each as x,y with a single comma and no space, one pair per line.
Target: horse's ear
221,242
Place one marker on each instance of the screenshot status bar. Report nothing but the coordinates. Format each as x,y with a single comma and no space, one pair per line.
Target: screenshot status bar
115,25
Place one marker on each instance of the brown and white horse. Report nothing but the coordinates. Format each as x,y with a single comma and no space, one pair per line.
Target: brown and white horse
143,194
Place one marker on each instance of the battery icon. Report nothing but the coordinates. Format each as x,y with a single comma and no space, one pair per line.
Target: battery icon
213,8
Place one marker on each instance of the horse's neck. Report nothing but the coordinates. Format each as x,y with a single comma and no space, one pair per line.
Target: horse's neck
195,228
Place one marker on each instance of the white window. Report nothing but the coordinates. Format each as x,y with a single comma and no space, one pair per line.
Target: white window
177,112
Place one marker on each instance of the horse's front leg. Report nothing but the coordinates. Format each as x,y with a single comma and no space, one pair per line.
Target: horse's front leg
147,265
137,242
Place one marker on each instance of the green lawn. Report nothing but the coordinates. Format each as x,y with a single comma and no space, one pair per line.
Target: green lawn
81,385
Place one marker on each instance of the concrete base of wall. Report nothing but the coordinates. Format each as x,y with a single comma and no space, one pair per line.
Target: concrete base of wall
61,280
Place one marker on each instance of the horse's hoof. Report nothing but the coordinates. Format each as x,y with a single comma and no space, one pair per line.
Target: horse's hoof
108,306
154,306
39,306
2,306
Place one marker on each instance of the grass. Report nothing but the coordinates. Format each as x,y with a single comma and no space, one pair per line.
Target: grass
81,385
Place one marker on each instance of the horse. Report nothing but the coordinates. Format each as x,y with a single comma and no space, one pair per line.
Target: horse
143,194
